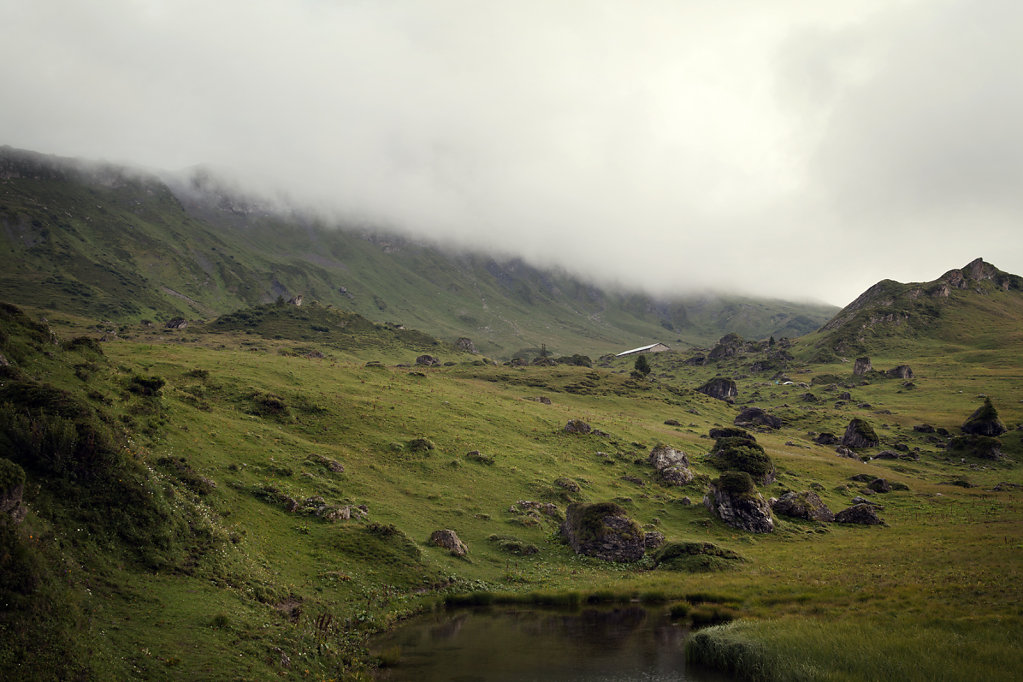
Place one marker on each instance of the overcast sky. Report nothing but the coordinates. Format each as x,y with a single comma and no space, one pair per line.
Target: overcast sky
799,149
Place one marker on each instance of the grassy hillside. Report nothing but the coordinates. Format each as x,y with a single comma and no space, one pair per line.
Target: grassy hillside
124,246
246,499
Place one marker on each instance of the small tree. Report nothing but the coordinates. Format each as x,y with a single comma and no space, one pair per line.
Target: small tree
642,366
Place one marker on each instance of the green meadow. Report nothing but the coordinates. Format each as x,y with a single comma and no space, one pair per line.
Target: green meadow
254,499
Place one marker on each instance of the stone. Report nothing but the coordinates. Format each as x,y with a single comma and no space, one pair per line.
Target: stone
755,416
177,323
577,426
923,428
880,485
734,498
862,513
672,422
743,454
809,398
296,300
843,451
427,361
465,344
544,400
826,439
900,372
862,366
860,434
720,388
603,530
672,466
653,539
805,505
984,421
448,539
845,395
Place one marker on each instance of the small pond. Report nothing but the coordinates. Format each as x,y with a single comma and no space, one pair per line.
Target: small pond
628,642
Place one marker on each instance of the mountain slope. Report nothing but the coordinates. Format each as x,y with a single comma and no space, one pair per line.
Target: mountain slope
977,305
124,245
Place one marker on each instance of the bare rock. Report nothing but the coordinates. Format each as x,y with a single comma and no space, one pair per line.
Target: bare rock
720,388
577,426
466,344
862,366
805,505
901,372
448,539
427,361
755,416
672,466
862,513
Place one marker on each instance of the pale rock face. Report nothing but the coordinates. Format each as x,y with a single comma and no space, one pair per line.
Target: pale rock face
448,539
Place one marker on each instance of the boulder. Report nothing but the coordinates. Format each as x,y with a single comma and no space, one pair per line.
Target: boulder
826,439
12,487
734,498
726,432
843,451
603,530
427,361
448,539
862,366
805,505
755,416
742,454
720,388
984,447
577,426
880,485
653,539
859,513
860,434
466,344
177,323
672,466
845,395
984,421
900,372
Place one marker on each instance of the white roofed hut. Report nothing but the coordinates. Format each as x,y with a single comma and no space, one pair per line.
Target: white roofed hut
652,348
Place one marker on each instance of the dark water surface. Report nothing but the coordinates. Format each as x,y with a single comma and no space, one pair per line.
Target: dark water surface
593,644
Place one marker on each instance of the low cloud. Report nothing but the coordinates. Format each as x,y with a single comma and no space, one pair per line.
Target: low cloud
800,150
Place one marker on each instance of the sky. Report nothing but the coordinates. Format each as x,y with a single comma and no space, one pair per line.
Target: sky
792,149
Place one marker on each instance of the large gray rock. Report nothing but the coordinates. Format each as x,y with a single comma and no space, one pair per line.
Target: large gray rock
721,388
603,530
805,505
466,344
860,434
862,366
901,372
755,416
672,466
734,498
448,539
577,426
427,360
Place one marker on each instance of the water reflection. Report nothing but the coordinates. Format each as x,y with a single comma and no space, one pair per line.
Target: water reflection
595,645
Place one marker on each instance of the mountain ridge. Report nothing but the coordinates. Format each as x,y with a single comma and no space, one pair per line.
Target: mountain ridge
128,245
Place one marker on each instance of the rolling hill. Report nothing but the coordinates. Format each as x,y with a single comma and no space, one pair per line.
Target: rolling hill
125,245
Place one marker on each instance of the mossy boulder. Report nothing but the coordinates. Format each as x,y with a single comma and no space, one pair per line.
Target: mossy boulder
728,432
983,447
695,557
734,498
742,454
603,530
860,434
803,505
756,416
984,421
863,514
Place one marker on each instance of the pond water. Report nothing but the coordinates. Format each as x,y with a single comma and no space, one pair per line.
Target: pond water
498,645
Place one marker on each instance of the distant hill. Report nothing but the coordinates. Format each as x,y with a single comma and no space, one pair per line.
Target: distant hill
124,245
976,305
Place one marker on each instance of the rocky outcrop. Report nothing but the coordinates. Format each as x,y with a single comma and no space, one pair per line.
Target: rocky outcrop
826,439
448,539
860,434
653,539
672,466
735,500
177,323
296,301
880,485
12,487
805,505
466,344
603,530
862,366
721,388
984,421
861,513
901,372
755,416
577,426
427,361
728,346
